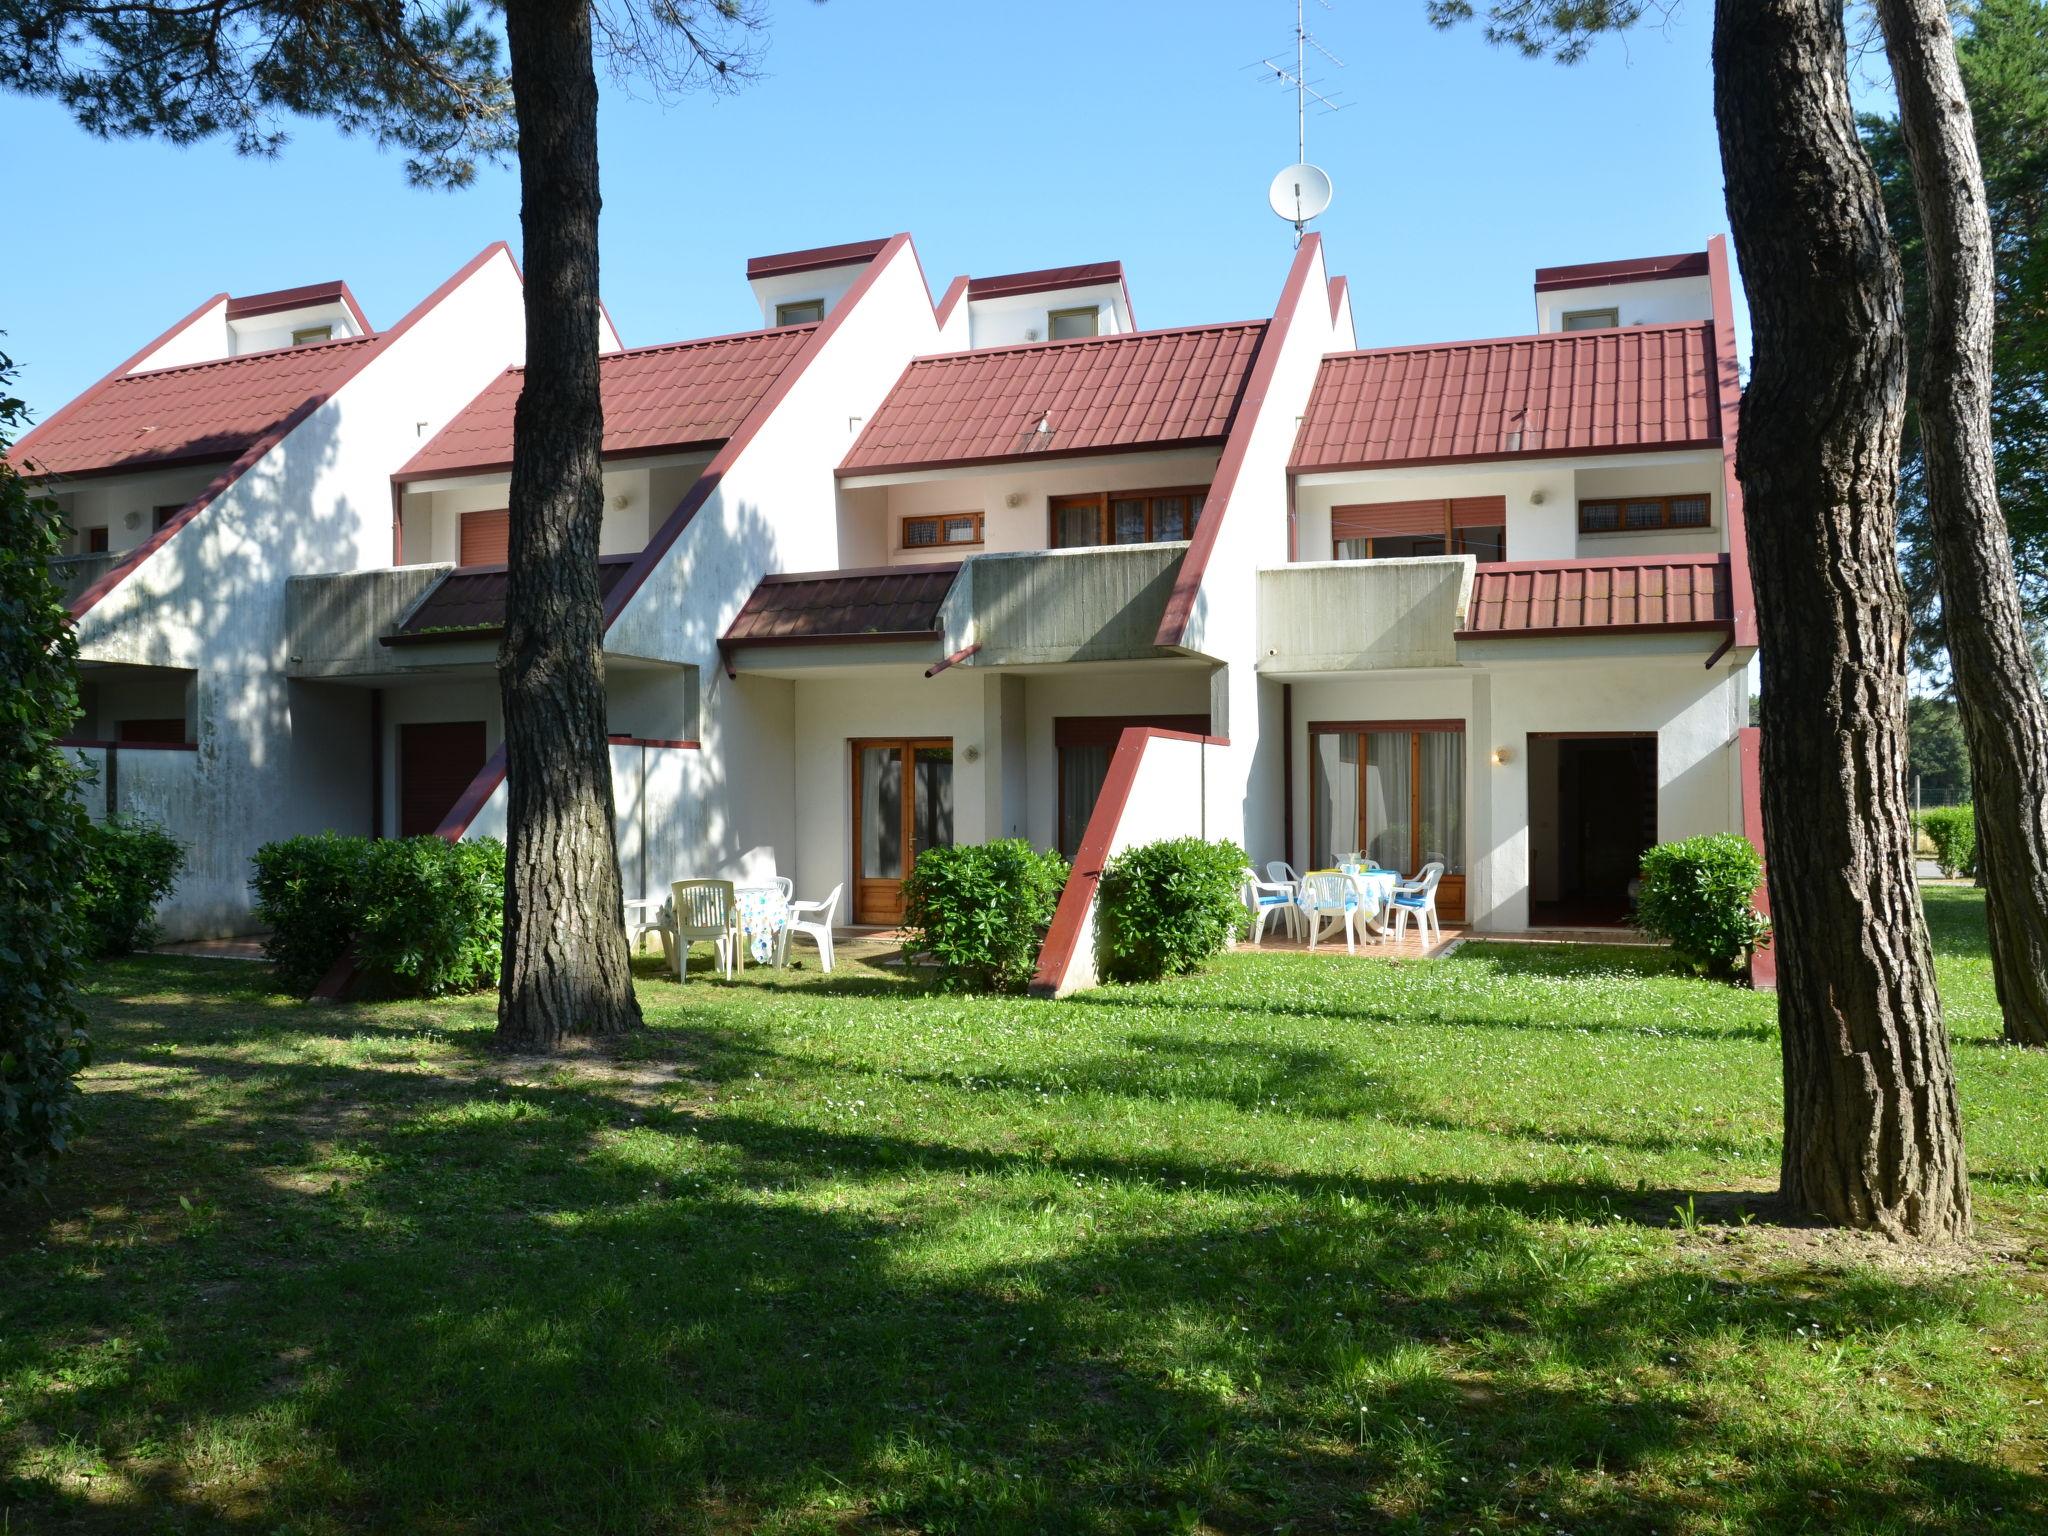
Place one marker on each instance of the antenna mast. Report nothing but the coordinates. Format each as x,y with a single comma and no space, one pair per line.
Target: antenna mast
1305,205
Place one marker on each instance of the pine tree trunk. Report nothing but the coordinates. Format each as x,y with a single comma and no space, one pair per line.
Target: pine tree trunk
1873,1138
566,965
2005,718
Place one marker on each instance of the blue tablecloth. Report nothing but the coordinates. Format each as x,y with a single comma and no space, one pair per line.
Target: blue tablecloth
763,916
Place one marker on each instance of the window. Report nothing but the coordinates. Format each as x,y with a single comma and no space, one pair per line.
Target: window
164,514
1125,517
1645,514
1403,530
96,540
485,538
1072,324
946,528
1591,319
800,312
1393,790
306,336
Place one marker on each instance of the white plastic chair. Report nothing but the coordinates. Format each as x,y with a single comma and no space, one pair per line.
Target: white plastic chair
787,886
1328,897
1268,898
1418,896
813,918
702,909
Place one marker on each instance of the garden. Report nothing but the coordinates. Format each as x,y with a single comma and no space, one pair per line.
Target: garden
1479,1243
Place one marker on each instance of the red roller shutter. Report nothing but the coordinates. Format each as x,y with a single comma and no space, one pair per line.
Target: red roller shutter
435,765
1387,519
485,536
1479,511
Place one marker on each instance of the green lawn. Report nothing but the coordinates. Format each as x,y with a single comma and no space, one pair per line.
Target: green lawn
1300,1244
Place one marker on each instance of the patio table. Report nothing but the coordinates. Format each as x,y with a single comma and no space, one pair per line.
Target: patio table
1375,888
764,913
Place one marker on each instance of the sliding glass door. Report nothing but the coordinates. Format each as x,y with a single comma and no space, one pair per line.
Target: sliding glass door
1394,791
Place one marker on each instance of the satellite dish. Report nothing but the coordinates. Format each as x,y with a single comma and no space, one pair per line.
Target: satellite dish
1299,193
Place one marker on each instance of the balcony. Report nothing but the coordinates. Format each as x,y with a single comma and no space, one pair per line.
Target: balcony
1363,615
74,573
1095,604
335,625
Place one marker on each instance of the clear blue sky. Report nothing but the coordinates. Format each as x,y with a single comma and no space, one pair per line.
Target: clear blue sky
1001,138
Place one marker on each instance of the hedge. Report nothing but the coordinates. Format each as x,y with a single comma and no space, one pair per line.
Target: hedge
422,915
981,911
1952,829
1165,907
125,869
1698,894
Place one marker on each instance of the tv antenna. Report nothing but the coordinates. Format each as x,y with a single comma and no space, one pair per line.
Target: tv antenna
1301,190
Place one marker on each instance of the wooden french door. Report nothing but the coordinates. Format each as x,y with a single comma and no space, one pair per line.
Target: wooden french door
1395,791
902,805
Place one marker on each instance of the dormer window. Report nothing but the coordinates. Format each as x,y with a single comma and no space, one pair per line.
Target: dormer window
1073,324
800,312
311,335
1591,319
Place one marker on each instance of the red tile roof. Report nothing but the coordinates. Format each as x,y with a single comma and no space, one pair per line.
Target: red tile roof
890,603
1625,390
690,394
469,602
1549,597
279,300
1143,389
814,259
1639,269
194,414
1045,280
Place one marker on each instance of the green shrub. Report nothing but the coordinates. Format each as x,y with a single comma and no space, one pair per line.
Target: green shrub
43,1043
424,916
981,911
1164,908
433,914
306,891
1698,895
1952,829
126,868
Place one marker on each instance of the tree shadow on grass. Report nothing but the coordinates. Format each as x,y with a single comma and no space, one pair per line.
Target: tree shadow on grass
552,1305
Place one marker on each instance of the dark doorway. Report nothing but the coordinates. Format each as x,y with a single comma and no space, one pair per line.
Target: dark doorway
436,763
1593,814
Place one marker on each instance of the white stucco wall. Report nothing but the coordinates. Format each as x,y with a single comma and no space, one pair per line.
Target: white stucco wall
871,517
274,757
1026,317
433,516
1666,301
1655,685
1167,799
775,508
1545,531
125,505
1244,782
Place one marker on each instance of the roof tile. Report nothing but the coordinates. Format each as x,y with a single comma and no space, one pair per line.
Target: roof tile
897,602
1142,389
196,413
469,602
1678,592
688,394
1613,391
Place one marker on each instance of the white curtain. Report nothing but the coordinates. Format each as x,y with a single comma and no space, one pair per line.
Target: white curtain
1389,775
1082,770
1443,800
1333,771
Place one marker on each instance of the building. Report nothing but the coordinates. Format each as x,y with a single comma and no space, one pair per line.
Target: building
886,572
